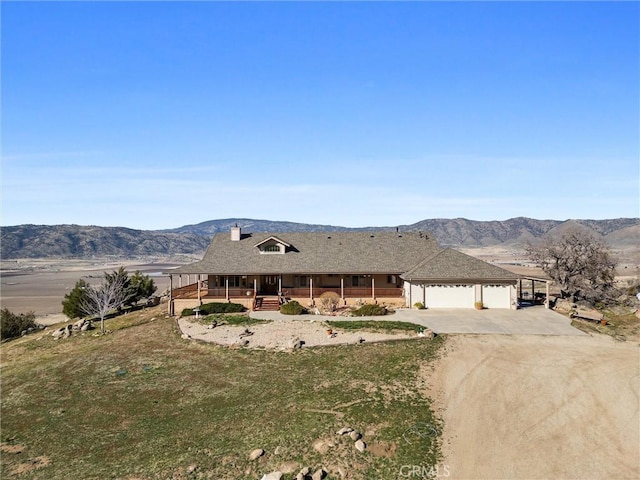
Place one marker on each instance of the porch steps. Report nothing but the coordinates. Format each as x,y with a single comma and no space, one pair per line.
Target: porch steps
267,304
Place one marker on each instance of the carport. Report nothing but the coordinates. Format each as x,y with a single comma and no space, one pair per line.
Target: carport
529,295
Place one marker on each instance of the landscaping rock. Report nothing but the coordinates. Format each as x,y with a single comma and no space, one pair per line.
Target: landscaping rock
355,435
361,446
57,334
257,453
192,468
296,343
305,471
272,476
344,431
319,474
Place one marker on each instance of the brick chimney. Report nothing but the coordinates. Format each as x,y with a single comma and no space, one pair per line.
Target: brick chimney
235,233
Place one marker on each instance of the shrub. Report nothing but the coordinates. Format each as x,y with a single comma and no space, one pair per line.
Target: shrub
12,325
292,308
215,307
221,307
419,305
75,299
370,309
329,302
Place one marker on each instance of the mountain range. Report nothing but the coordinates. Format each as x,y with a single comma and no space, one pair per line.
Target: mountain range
76,241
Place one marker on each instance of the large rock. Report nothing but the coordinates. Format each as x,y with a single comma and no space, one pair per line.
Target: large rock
296,343
255,454
319,474
360,446
355,435
344,431
272,476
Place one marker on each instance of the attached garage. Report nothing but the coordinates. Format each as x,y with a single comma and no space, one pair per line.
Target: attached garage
451,279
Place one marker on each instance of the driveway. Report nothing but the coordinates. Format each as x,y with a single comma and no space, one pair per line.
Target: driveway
526,321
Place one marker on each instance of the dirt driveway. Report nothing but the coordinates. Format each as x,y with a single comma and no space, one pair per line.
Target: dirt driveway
528,407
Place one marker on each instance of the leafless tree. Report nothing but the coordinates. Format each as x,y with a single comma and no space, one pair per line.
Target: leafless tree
100,300
580,263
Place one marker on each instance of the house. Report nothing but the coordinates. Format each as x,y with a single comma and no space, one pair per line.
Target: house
395,268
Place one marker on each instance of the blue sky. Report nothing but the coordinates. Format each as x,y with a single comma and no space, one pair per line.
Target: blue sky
159,114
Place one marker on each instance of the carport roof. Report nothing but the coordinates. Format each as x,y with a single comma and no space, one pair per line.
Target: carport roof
452,265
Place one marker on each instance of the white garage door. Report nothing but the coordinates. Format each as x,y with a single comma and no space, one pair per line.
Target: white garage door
496,296
450,296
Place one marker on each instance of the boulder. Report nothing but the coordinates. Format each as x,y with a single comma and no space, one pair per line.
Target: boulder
344,431
360,446
255,454
319,474
296,343
57,334
355,436
272,476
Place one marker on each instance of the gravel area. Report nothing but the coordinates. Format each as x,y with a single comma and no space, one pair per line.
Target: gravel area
279,334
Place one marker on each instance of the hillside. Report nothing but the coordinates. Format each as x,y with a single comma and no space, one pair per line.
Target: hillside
74,241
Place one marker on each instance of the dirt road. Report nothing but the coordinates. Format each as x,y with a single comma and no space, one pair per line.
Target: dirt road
527,407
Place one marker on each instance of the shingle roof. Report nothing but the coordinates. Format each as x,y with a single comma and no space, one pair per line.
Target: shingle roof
316,253
451,265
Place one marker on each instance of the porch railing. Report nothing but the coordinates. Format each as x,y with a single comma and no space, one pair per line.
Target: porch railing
191,291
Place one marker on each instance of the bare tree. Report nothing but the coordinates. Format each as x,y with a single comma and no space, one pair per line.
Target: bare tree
581,264
110,295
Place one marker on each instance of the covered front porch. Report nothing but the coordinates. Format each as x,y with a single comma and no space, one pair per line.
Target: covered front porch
246,289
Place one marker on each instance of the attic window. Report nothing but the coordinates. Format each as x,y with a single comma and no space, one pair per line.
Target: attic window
275,248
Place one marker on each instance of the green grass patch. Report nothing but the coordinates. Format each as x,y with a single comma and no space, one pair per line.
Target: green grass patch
374,325
229,319
143,403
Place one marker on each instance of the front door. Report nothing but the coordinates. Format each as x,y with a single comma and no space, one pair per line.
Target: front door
269,285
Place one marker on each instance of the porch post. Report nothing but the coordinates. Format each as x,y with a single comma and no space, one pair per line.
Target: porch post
180,281
410,288
373,287
279,284
533,291
424,295
255,287
170,294
546,302
198,285
342,288
311,288
226,288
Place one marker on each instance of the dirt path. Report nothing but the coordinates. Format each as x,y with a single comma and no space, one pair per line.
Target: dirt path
526,407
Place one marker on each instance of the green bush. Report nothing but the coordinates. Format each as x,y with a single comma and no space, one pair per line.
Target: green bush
12,325
292,308
215,307
220,307
370,309
419,305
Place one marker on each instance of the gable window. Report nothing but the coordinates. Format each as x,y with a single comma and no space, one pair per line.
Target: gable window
275,248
